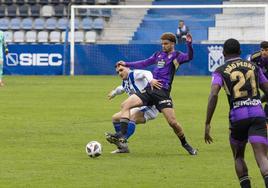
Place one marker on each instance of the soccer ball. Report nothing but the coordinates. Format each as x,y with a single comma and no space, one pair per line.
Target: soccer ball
93,149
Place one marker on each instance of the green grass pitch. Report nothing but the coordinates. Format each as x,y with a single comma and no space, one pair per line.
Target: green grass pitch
47,121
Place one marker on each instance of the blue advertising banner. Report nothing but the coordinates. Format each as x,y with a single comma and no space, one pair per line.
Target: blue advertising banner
100,59
34,60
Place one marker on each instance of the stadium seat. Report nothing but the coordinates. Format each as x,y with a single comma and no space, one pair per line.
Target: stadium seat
114,2
55,37
43,2
18,36
90,37
47,11
8,2
82,12
59,10
66,2
8,36
12,11
55,2
4,24
79,36
86,23
77,2
94,12
98,24
30,36
31,2
42,36
2,11
27,24
24,10
15,24
20,2
51,24
106,12
35,11
102,2
39,24
62,23
90,2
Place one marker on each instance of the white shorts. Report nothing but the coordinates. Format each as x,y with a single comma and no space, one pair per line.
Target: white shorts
150,112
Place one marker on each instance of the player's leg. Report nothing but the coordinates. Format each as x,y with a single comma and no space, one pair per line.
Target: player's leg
169,114
258,139
238,150
130,102
1,73
238,140
260,152
116,121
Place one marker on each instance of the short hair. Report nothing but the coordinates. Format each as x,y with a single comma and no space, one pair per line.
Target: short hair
231,47
168,36
264,44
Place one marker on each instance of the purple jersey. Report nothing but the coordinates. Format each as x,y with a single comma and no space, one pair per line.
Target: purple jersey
260,61
245,112
166,64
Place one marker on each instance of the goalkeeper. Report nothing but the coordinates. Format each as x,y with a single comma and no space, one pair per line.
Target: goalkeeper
3,47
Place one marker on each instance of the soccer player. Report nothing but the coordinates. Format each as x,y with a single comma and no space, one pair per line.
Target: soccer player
3,47
261,59
157,93
241,81
133,81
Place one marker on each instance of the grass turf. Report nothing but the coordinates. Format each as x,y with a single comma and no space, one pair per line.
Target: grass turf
47,121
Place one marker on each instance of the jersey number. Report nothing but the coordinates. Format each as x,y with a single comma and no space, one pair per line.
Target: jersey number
237,75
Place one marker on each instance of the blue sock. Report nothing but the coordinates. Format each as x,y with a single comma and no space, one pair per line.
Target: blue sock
117,126
130,129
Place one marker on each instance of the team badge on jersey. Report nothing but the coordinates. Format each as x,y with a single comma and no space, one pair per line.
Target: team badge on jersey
215,57
161,64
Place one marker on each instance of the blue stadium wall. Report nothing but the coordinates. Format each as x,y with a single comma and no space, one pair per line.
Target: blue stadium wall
100,59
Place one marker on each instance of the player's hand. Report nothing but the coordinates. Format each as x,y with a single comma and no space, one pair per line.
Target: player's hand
111,95
189,38
156,84
208,138
120,63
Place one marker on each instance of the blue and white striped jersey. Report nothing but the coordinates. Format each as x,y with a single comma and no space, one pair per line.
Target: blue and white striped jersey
137,80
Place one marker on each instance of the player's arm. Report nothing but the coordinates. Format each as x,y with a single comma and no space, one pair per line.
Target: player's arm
139,64
186,57
212,103
117,91
263,85
143,74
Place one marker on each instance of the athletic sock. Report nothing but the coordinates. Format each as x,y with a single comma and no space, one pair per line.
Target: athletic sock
266,180
182,139
244,182
117,126
123,126
130,129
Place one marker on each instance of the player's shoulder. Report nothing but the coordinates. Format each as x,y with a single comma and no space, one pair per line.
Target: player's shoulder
140,71
255,56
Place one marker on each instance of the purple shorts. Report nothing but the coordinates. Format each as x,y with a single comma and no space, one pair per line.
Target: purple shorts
253,129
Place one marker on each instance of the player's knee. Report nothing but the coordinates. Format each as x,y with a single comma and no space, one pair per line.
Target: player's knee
115,118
